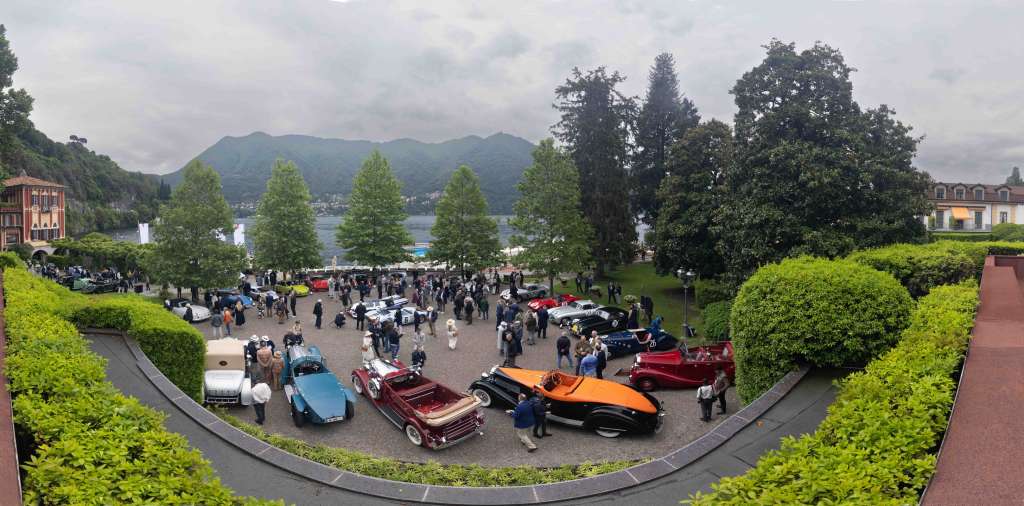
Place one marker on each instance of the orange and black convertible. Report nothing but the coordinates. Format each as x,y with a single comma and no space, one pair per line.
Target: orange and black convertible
608,408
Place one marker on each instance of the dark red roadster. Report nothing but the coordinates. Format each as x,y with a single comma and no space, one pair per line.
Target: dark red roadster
430,414
552,302
681,367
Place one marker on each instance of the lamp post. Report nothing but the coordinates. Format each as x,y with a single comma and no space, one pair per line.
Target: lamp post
686,276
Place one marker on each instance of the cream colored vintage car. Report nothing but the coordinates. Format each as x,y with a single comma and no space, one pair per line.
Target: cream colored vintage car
226,380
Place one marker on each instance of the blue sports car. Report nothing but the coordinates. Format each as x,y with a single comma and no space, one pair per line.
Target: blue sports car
231,295
313,391
625,342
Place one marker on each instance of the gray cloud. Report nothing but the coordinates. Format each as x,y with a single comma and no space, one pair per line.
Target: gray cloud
153,87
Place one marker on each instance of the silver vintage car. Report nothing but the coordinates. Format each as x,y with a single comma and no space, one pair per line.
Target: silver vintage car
574,309
226,380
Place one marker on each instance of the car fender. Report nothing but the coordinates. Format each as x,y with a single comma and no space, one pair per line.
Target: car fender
497,394
246,394
612,417
663,378
299,403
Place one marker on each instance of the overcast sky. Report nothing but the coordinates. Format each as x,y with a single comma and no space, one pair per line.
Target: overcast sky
153,84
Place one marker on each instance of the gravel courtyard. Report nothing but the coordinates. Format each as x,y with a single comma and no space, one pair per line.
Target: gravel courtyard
371,432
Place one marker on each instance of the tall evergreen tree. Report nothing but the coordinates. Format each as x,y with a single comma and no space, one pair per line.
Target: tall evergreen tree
1015,179
664,118
284,235
549,225
189,249
372,230
689,198
814,174
163,191
465,237
595,126
15,104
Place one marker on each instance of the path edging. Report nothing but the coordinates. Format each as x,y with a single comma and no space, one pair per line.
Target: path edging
414,492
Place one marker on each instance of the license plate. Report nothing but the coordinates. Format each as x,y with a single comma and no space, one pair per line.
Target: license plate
333,419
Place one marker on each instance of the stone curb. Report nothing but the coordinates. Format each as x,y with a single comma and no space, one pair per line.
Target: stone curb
437,494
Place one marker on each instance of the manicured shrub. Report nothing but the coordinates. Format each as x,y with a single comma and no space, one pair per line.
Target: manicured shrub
1007,232
716,320
960,236
921,267
823,312
876,444
708,291
10,259
89,443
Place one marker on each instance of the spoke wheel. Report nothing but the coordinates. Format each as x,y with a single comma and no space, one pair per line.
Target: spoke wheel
414,435
611,434
357,384
483,396
647,385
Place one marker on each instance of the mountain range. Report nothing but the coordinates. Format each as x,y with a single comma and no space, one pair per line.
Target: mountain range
330,165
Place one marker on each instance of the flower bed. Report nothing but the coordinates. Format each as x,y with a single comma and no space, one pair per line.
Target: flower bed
89,444
877,444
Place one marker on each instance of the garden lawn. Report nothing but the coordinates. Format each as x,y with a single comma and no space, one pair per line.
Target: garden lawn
641,279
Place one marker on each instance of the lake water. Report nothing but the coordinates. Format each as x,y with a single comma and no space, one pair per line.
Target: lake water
418,226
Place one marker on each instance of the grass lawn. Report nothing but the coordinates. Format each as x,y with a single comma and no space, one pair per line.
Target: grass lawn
640,279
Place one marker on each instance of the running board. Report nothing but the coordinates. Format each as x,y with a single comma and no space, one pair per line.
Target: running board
565,421
391,415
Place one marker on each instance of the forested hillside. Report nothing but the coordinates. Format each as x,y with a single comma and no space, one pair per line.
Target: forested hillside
329,165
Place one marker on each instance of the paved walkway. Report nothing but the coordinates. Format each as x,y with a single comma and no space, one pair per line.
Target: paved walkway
10,479
982,455
799,412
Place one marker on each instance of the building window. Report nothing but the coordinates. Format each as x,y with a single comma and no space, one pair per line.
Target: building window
959,193
1003,217
35,200
940,219
978,219
1004,195
940,192
979,194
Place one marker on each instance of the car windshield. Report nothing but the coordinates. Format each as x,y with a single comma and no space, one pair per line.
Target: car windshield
604,314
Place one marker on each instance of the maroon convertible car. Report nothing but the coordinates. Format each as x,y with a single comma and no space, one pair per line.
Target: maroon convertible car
681,368
430,414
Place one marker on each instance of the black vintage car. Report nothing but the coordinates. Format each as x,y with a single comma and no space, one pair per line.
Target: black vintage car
626,342
608,408
100,286
605,320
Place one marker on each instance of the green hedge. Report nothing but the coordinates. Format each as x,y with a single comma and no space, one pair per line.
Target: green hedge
174,346
921,267
1007,232
876,444
716,320
89,443
709,291
823,312
10,259
961,236
432,473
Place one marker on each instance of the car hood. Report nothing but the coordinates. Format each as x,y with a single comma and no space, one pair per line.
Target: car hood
587,390
323,393
661,357
199,313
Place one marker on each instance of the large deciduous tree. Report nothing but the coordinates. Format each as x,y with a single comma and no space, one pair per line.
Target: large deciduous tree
465,237
664,118
15,104
689,198
814,173
596,122
549,225
189,235
371,229
284,235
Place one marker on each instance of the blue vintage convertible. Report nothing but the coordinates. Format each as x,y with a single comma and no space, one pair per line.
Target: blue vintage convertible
626,342
313,391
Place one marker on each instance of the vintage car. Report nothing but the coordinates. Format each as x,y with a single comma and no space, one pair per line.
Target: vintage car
408,314
681,367
552,302
526,292
74,282
313,391
608,408
431,414
100,286
604,320
226,380
178,307
572,310
391,302
283,287
231,296
625,342
317,283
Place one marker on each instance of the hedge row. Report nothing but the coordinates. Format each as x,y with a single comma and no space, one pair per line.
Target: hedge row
822,312
709,291
921,267
432,473
961,236
89,443
875,446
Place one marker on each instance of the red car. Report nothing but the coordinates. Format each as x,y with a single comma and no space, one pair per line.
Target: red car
550,302
317,283
675,369
430,414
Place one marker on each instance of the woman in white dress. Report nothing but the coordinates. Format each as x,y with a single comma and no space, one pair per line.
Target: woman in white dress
453,334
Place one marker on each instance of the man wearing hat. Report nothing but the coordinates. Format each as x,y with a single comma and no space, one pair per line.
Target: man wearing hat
318,311
431,319
251,348
270,344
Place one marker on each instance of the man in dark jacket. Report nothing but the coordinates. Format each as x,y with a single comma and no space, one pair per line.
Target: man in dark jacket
522,417
188,314
417,319
542,322
318,312
564,347
360,316
291,301
540,416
